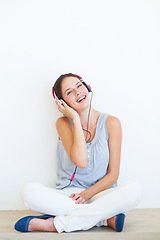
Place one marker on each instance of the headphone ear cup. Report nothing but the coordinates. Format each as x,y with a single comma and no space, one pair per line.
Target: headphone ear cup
90,90
53,93
87,86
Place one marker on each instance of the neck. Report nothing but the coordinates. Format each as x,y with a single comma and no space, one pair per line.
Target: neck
84,117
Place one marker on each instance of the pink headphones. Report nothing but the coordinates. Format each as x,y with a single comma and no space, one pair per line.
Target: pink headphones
87,86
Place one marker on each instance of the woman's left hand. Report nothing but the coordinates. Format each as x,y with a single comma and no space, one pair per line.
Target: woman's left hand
79,198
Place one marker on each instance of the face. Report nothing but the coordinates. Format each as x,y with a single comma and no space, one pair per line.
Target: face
74,93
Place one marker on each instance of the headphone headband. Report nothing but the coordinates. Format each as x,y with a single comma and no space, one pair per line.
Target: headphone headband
77,75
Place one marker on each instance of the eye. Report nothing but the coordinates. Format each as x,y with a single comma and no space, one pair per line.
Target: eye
69,92
79,85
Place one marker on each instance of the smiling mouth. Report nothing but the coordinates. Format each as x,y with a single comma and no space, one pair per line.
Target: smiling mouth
81,99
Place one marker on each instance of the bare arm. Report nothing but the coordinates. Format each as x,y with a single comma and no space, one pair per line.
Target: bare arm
79,150
115,138
72,138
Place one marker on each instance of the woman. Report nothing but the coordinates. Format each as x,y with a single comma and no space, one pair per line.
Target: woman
88,163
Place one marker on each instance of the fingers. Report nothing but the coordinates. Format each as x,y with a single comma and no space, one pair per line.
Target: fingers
78,199
58,101
65,109
62,102
60,105
75,196
72,195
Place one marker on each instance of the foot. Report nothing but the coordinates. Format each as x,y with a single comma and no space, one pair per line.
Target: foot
116,222
44,225
112,222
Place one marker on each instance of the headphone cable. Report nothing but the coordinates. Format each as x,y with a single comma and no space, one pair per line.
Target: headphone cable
85,140
88,121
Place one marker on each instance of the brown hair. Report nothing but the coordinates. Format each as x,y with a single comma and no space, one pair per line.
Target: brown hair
58,84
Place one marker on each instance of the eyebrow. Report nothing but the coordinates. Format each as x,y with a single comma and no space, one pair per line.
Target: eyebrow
70,88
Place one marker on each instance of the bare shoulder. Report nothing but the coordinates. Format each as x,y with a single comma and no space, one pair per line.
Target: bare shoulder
65,130
63,121
113,124
64,127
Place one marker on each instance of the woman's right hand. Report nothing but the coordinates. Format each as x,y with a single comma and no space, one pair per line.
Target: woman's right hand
66,110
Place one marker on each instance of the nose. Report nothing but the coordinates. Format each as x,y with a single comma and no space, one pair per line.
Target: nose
78,92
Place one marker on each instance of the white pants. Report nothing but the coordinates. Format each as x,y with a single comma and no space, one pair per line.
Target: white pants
71,216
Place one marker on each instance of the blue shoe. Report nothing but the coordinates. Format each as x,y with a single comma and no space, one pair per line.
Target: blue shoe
119,222
22,224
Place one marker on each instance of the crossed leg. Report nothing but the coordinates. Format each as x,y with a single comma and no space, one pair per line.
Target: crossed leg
100,210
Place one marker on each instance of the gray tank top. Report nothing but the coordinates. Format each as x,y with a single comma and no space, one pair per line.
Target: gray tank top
97,165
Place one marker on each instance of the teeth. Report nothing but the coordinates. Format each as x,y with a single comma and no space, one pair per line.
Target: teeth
80,99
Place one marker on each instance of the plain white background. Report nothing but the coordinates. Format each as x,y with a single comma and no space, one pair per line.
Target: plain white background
114,46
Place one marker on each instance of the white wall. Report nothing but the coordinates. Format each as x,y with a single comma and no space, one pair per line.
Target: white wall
114,45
